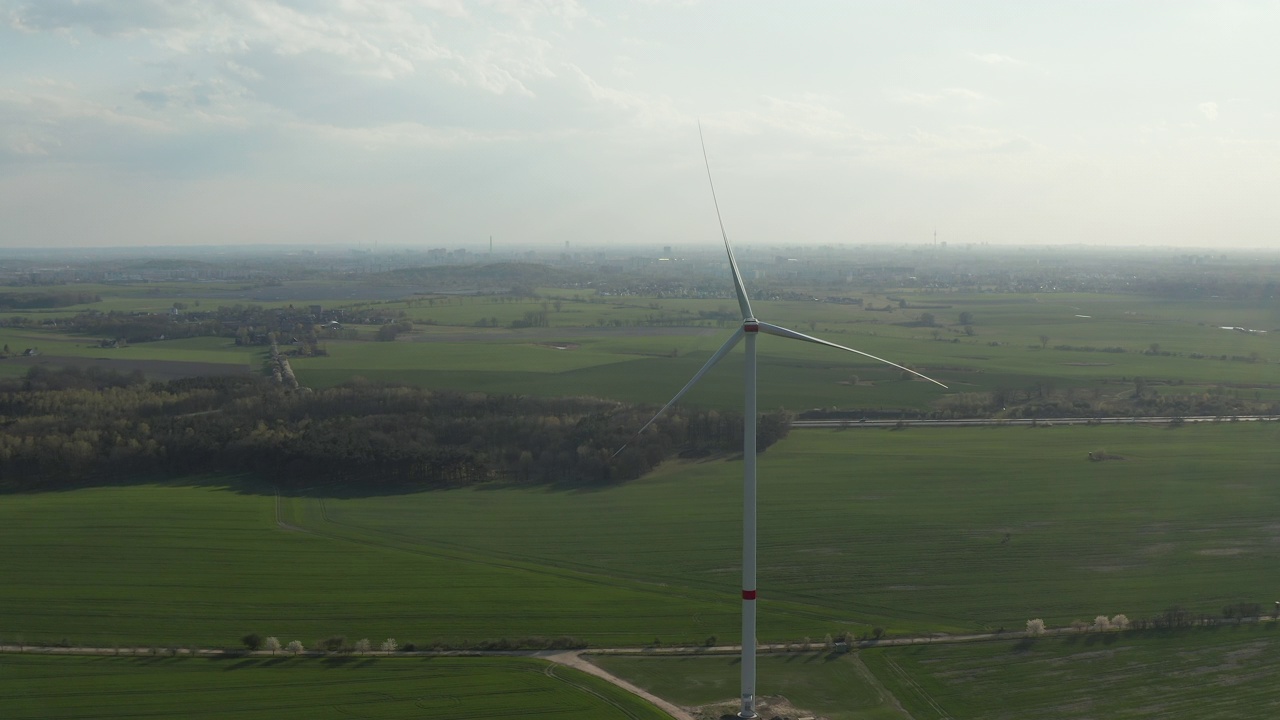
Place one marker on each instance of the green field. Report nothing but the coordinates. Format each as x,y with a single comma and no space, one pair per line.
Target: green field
1223,672
607,345
947,529
67,688
925,530
836,684
1226,672
203,566
1005,352
858,528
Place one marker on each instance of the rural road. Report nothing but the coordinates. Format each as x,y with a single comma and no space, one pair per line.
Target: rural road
576,659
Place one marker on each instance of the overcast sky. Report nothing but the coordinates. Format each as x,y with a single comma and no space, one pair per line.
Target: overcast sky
438,123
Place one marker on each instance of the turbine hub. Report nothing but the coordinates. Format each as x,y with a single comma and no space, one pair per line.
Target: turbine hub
751,325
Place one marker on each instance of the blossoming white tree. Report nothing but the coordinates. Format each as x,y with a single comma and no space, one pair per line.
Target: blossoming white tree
1035,627
272,644
295,647
1101,623
1120,622
389,645
363,645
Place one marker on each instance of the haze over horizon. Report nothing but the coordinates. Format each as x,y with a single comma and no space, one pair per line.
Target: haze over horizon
442,122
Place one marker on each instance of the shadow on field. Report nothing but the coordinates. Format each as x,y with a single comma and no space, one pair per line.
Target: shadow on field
348,661
247,663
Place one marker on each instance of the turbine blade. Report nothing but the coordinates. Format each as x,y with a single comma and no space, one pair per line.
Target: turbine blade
792,334
743,303
724,350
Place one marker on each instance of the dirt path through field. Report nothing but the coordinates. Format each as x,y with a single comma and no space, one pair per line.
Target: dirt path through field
574,659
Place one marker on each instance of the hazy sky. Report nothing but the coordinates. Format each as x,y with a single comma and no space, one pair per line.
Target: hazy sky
441,122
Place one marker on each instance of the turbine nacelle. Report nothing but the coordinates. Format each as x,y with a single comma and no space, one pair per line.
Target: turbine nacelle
751,325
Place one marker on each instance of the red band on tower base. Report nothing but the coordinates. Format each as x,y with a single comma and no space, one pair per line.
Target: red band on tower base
748,594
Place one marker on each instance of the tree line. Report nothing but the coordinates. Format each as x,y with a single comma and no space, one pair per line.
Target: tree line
73,426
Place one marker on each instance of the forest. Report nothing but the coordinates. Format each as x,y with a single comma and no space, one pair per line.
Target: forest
74,427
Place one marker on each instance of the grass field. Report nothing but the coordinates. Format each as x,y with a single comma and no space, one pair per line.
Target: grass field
68,688
1224,673
674,336
859,528
835,684
203,566
948,529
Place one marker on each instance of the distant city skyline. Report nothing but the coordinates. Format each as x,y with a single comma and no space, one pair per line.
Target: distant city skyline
439,123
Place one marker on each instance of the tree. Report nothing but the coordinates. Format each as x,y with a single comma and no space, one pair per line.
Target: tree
253,641
1155,349
1035,627
272,644
388,645
1044,341
295,647
1120,622
1101,623
966,318
363,645
927,319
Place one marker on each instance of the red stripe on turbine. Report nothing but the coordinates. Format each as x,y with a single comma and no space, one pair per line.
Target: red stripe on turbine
751,327
748,594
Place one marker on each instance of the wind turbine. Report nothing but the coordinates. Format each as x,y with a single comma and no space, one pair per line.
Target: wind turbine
749,330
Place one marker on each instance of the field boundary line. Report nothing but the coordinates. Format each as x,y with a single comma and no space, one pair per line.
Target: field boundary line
886,695
910,682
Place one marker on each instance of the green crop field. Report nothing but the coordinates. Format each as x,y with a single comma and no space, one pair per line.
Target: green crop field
921,530
639,349
203,566
947,530
67,688
950,529
835,684
1225,672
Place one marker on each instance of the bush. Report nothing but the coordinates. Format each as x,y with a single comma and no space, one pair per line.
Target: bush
253,641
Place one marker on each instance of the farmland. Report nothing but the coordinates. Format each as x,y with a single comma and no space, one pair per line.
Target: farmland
859,528
1087,344
912,532
1223,672
339,687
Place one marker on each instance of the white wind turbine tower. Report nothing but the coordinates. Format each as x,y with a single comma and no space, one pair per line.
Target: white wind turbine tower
751,327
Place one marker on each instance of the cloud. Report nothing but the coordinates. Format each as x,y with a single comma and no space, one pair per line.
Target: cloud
1209,110
947,97
995,59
